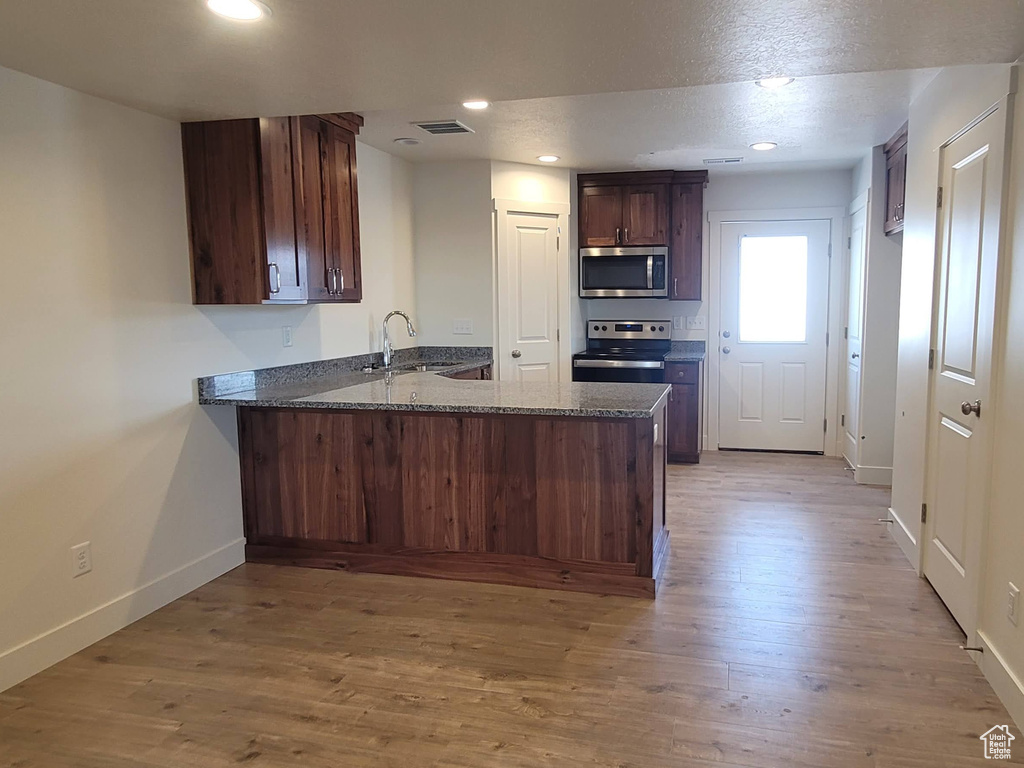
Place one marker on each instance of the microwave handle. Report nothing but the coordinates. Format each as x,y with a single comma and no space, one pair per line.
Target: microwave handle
650,273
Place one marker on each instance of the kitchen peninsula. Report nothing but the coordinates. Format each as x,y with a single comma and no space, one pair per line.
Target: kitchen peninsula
420,472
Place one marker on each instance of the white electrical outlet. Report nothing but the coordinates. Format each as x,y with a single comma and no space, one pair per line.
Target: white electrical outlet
1013,604
678,322
462,326
286,336
696,323
81,559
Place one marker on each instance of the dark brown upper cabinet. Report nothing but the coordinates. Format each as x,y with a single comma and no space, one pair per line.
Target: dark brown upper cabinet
895,181
648,208
273,209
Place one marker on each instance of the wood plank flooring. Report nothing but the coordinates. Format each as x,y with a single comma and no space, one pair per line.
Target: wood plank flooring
789,631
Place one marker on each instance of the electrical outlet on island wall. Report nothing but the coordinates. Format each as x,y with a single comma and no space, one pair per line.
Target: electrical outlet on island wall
462,326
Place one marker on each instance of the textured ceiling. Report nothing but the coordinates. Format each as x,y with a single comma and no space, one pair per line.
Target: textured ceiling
825,121
175,58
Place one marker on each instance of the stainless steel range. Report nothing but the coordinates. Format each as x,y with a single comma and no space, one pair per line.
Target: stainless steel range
624,350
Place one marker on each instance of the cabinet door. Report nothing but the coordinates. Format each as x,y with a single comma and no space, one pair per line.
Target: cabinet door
341,212
687,253
895,189
286,263
312,155
645,215
683,421
600,216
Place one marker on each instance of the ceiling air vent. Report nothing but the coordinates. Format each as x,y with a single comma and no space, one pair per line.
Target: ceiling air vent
444,127
723,160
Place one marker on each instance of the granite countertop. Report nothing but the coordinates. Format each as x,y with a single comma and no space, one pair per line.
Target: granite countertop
686,352
337,385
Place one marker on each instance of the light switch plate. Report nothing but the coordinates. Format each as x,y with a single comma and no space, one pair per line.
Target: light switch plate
286,336
696,323
462,326
678,322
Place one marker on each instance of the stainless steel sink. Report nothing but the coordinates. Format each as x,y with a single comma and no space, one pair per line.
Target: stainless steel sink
438,366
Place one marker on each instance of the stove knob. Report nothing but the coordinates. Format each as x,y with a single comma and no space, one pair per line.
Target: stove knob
661,327
597,327
604,327
652,329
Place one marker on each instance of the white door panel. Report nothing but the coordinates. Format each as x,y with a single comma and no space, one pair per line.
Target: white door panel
774,315
959,444
854,336
528,297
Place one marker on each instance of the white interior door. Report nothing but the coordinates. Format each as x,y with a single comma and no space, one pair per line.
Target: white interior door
772,351
855,334
527,267
959,444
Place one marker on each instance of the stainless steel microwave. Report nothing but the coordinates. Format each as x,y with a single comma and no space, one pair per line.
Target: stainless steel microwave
619,273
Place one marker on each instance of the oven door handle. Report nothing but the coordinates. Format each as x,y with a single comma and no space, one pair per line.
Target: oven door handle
618,364
650,273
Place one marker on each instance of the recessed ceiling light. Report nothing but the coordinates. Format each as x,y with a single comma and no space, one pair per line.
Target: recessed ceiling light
774,82
239,10
407,141
476,104
763,146
549,158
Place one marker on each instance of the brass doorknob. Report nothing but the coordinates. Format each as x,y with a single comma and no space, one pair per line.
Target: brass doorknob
516,353
967,408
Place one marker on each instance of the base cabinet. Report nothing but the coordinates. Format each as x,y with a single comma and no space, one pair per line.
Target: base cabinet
684,412
555,502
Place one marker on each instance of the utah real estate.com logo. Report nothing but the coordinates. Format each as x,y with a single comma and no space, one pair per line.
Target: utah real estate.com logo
997,742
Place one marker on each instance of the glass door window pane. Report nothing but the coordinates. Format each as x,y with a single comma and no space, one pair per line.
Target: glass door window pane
773,289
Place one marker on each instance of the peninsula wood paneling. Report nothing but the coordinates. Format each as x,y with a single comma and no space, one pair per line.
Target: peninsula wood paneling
401,485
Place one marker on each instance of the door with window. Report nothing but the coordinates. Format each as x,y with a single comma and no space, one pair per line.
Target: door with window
772,350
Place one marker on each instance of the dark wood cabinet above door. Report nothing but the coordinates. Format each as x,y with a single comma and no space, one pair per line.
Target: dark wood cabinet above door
895,181
273,209
648,208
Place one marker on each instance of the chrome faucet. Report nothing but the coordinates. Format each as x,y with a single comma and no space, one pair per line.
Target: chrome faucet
388,351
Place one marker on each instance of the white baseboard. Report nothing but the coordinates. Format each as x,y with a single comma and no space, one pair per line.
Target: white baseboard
1008,687
35,655
873,475
906,540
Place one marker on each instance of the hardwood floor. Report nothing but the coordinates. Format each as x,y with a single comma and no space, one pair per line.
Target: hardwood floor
789,631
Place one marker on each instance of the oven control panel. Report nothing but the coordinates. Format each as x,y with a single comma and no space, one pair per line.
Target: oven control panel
629,329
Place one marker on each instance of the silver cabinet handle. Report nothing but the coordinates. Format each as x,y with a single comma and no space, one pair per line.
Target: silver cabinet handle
968,408
341,275
726,350
275,286
516,353
618,235
626,231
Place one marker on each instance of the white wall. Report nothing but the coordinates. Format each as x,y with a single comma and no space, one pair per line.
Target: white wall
951,101
873,462
455,242
453,251
102,438
732,192
1004,551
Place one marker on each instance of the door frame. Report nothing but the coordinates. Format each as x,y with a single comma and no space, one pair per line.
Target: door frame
501,208
836,284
